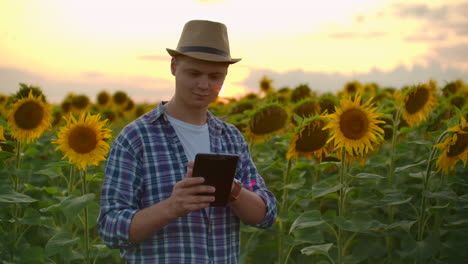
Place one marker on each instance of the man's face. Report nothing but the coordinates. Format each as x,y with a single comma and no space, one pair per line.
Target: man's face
197,82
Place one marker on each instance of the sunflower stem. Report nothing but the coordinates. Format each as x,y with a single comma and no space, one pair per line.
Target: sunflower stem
16,183
283,205
70,181
390,176
341,199
19,159
422,212
395,131
85,225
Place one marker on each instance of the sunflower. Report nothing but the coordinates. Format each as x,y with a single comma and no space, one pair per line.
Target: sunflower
418,103
267,119
453,88
327,102
80,103
103,99
300,92
265,85
311,139
29,117
355,126
351,89
2,137
305,108
3,103
454,148
242,106
119,99
83,142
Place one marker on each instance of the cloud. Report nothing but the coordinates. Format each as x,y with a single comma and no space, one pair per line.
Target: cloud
457,53
357,35
92,74
424,37
333,82
421,11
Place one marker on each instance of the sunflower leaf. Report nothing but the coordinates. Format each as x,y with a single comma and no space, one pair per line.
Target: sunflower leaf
308,219
367,176
402,168
72,205
319,190
59,243
317,249
7,195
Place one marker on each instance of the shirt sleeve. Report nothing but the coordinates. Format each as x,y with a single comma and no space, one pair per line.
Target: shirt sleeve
255,183
119,203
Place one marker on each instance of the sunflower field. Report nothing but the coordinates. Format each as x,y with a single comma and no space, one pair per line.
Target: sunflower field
369,174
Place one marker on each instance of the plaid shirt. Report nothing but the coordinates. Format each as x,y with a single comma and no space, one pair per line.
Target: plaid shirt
145,162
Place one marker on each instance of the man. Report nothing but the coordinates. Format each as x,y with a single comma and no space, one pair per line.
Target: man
151,207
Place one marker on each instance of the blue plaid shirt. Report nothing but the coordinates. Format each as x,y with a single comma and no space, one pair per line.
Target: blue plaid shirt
145,162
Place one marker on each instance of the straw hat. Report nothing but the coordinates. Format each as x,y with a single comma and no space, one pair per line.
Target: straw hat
204,40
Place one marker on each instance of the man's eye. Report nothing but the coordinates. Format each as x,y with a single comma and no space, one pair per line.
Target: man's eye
216,76
194,74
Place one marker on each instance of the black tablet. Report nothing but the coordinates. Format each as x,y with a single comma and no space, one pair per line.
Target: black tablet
218,171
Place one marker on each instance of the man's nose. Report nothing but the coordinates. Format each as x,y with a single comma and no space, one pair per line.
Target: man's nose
204,82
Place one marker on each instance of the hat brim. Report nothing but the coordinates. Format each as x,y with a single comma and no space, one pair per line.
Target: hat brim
203,56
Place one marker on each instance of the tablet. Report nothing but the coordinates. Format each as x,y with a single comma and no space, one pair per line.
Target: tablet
218,171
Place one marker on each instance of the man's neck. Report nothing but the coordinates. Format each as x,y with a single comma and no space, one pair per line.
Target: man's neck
191,115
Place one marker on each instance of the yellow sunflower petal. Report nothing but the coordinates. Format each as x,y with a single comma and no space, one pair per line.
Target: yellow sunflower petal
29,117
83,141
354,126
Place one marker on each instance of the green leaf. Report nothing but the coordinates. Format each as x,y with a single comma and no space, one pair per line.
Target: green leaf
5,155
362,223
73,205
307,236
60,242
402,168
62,163
443,195
7,195
317,249
398,202
52,172
405,225
323,188
436,208
327,164
420,142
296,185
368,176
308,219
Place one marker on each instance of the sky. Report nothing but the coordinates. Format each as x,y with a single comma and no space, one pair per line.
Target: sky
87,46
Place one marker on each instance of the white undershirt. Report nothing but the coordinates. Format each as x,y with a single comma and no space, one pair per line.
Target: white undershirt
195,139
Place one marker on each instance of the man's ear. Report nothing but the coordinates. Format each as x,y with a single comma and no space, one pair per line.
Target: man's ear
173,65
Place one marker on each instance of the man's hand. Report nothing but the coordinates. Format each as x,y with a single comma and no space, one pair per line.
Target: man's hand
185,198
190,194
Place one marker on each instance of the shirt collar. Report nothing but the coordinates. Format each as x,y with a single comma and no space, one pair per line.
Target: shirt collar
158,112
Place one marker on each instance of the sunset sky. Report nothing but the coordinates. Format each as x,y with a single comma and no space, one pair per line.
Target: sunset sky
85,46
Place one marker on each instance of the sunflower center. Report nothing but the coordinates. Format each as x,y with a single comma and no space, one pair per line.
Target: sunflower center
29,115
312,138
82,140
417,100
459,146
354,124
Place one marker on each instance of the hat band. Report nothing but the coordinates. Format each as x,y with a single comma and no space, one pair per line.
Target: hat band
203,49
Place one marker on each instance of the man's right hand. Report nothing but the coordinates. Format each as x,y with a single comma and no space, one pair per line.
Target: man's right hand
186,197
190,194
